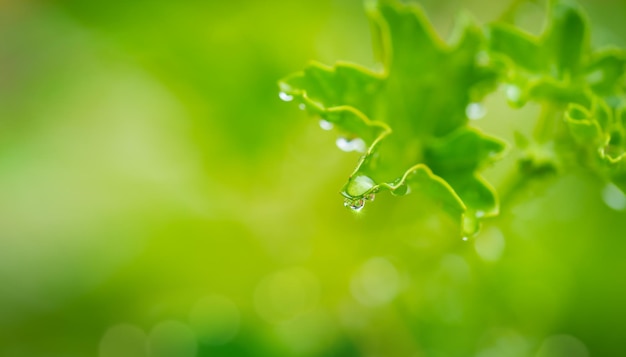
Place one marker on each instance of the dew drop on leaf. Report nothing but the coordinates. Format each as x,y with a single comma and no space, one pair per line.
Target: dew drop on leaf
355,205
285,97
326,125
464,239
302,106
475,111
346,145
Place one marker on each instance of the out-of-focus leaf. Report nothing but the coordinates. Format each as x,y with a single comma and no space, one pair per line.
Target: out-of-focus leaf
557,66
566,40
583,127
605,70
514,44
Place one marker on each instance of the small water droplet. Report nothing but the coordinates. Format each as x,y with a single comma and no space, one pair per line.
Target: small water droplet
464,239
480,214
370,197
475,111
358,145
351,145
513,93
343,144
302,106
614,197
355,205
285,97
326,125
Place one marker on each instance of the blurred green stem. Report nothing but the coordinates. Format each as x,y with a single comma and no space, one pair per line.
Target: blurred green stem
544,129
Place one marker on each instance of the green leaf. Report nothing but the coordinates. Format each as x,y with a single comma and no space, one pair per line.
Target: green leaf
466,149
412,116
343,95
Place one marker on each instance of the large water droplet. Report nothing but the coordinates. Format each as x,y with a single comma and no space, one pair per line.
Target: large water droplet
346,145
355,205
475,111
326,125
285,97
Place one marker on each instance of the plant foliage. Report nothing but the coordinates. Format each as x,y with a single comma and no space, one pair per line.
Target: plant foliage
410,120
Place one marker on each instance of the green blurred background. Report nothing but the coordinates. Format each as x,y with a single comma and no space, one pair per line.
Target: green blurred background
158,199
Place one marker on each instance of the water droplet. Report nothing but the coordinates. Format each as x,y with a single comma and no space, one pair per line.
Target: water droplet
513,93
355,205
359,145
346,145
285,97
302,106
475,111
464,239
326,125
614,197
370,197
